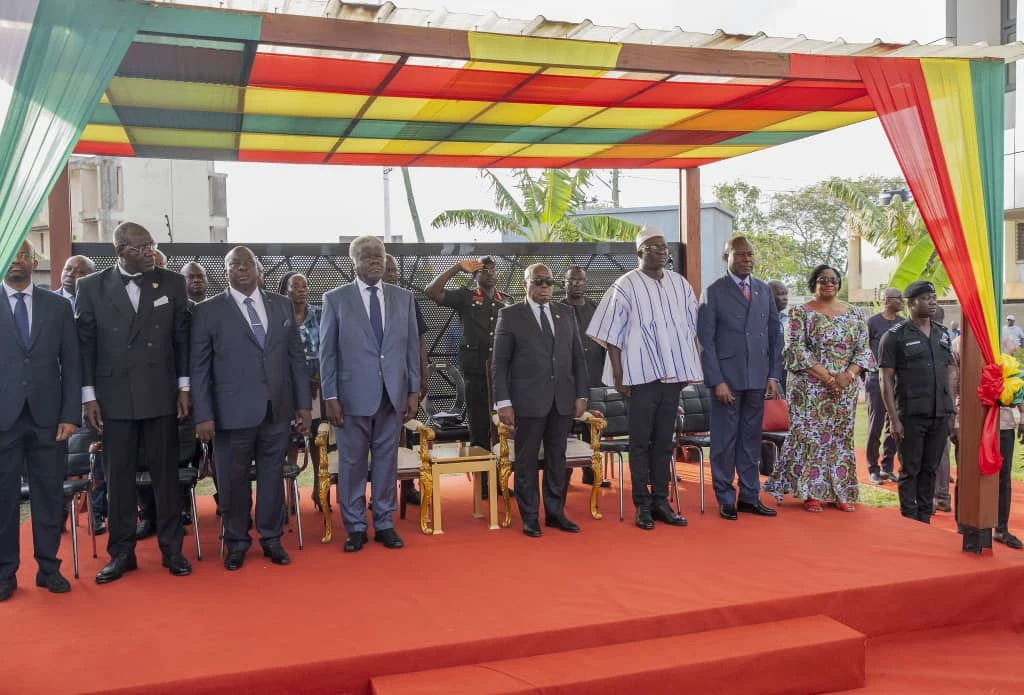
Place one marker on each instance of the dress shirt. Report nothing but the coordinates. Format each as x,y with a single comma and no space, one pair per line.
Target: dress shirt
535,308
257,304
133,289
14,300
739,281
365,296
67,295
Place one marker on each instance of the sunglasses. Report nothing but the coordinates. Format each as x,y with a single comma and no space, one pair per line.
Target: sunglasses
827,281
537,282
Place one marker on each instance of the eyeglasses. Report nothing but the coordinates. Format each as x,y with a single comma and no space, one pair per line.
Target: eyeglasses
142,249
654,247
824,280
537,282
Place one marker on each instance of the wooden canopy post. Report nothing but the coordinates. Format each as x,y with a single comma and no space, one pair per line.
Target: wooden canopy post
977,495
689,225
59,207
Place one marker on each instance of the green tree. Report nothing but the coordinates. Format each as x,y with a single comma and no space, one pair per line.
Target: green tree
543,211
777,255
745,201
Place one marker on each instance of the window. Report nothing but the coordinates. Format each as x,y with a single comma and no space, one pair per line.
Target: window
1008,34
1019,243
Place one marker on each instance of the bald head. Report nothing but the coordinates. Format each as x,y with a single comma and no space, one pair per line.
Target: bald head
135,248
195,281
780,292
75,268
19,273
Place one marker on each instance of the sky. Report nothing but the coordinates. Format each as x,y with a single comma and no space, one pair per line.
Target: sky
307,203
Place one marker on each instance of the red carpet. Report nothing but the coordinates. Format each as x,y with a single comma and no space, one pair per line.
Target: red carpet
330,622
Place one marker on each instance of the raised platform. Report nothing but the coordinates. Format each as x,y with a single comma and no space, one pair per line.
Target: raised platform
330,622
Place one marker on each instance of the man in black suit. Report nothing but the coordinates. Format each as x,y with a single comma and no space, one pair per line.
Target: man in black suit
39,410
249,381
133,324
540,384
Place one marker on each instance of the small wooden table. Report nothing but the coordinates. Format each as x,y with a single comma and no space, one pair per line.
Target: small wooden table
451,458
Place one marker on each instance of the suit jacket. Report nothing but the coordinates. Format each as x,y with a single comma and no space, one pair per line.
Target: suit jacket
233,378
527,371
46,374
133,359
353,367
740,340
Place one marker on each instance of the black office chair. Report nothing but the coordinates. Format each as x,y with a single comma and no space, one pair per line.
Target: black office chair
446,393
81,459
615,438
188,472
693,427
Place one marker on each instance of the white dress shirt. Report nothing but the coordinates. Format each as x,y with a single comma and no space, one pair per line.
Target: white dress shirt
14,300
365,295
133,289
535,308
257,304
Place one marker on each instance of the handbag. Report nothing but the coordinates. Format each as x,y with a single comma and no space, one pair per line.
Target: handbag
776,415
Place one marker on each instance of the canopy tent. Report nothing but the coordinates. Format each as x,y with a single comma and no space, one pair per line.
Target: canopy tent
387,87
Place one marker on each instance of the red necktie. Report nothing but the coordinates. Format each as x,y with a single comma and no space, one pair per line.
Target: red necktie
745,289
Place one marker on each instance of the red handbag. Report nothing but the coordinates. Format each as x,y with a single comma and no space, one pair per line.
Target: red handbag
776,415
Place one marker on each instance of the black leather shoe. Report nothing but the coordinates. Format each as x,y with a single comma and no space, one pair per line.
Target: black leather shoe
7,589
531,529
116,568
144,529
389,538
53,582
99,525
186,517
355,541
410,494
664,514
234,560
644,519
942,506
727,512
759,509
177,565
277,554
1008,539
562,523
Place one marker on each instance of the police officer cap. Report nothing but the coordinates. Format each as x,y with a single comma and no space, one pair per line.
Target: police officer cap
918,287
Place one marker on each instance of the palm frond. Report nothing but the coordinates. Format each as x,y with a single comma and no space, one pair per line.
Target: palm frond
503,198
486,220
604,228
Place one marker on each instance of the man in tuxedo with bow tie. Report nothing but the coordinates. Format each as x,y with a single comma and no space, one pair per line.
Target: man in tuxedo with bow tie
133,330
249,382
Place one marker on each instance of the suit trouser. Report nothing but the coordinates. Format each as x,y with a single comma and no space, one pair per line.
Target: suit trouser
877,421
923,441
159,439
364,437
552,430
942,475
44,461
478,410
233,454
652,418
1006,440
736,446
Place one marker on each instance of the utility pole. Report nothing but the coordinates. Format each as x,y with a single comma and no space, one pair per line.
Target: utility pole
387,205
615,188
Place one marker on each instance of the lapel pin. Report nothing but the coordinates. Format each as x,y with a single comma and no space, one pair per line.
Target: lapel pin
155,285
558,316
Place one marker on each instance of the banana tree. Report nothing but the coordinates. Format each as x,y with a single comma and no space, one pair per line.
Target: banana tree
544,209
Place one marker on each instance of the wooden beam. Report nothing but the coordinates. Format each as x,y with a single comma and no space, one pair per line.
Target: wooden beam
59,207
689,224
977,495
702,61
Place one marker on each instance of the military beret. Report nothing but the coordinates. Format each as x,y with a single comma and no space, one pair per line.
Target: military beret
918,287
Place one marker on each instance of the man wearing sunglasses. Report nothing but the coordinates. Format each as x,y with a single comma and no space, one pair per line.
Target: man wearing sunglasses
540,384
647,320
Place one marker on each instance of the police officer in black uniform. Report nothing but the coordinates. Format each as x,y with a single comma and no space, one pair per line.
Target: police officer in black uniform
477,308
918,373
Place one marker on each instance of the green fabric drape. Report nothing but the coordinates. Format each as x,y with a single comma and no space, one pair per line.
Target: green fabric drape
989,114
73,50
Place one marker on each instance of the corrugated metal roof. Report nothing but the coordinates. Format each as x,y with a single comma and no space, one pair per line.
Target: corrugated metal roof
586,30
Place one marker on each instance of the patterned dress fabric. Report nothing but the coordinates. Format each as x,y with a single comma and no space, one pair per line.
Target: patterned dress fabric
818,459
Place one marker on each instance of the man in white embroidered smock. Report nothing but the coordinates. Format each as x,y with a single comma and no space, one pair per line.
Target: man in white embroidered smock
647,320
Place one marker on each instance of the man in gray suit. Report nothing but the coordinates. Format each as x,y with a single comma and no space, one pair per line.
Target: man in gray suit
370,376
40,409
249,381
741,347
540,384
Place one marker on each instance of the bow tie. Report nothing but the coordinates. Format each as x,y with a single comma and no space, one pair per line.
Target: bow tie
137,279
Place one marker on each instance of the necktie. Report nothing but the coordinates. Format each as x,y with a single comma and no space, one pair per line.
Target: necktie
254,319
21,317
745,289
376,320
137,279
545,325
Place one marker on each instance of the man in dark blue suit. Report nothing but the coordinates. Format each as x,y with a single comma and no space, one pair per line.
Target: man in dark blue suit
741,347
249,381
40,409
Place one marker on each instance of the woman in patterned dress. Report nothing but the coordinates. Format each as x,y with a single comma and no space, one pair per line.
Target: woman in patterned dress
826,349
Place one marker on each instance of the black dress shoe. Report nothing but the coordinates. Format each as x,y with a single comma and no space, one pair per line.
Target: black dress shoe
53,582
664,514
99,525
144,529
389,538
644,519
1008,539
277,554
410,494
234,560
186,517
562,523
177,565
355,541
531,529
727,512
116,568
7,588
758,509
